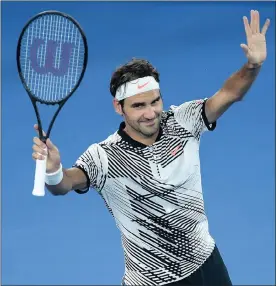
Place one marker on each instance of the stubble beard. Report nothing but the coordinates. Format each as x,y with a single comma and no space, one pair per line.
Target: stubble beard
146,131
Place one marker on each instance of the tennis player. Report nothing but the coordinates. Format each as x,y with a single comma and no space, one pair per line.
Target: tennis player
148,172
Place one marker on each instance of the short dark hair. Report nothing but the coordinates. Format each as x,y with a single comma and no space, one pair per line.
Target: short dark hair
132,70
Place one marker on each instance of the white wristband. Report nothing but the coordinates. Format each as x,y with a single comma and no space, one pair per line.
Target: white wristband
54,178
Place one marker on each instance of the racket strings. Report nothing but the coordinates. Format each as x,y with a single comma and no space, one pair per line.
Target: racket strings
52,57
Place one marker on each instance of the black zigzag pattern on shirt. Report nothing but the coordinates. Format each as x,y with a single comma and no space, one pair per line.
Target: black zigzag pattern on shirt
125,163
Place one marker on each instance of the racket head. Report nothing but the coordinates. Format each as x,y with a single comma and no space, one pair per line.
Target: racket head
52,55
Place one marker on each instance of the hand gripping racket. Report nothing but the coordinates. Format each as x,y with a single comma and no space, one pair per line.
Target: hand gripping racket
52,55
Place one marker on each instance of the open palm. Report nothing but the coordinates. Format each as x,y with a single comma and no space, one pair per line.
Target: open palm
255,50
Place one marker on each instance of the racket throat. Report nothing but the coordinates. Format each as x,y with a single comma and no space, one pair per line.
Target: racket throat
43,138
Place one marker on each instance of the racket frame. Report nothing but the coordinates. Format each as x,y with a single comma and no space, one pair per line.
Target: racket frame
34,99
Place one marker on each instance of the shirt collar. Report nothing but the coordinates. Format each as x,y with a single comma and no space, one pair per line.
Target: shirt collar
133,142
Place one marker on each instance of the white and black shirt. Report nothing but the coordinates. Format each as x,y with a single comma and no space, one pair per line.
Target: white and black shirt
155,195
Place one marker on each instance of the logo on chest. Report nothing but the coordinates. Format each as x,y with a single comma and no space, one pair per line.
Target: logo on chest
175,150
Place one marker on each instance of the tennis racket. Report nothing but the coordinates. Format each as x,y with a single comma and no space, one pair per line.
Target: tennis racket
52,56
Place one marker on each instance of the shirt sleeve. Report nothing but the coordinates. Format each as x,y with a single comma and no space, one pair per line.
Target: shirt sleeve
93,162
191,115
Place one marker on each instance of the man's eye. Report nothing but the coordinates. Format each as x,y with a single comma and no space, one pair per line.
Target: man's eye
155,101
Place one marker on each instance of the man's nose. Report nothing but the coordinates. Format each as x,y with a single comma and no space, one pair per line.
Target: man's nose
149,113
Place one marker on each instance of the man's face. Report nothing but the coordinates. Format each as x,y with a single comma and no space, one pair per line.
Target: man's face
142,113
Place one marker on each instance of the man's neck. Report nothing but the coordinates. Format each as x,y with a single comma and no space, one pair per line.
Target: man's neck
140,138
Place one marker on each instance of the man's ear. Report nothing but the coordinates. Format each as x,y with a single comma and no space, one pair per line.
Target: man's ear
117,107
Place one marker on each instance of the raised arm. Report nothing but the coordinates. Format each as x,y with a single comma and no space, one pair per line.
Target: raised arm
235,87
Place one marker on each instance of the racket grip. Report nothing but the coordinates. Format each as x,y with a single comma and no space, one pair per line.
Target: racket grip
39,181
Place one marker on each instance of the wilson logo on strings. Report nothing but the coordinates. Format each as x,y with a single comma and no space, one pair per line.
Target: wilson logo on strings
50,65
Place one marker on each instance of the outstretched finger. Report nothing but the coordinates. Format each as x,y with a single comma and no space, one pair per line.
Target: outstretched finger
40,150
39,143
37,156
247,27
265,27
252,21
36,128
257,22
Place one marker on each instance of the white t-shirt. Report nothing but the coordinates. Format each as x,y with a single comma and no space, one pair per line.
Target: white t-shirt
155,196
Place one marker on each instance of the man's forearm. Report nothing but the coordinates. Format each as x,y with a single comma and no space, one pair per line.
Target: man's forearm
232,91
72,179
63,187
240,82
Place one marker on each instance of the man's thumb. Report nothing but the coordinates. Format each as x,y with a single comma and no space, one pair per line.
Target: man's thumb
245,48
49,144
